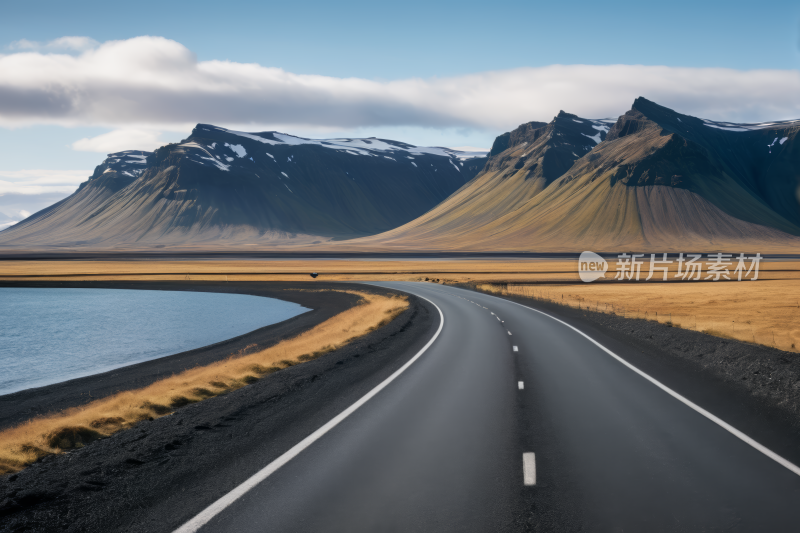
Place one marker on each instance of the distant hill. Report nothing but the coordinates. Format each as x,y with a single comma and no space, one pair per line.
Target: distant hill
227,188
653,180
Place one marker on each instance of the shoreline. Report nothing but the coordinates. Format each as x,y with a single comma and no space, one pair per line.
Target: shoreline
17,407
126,482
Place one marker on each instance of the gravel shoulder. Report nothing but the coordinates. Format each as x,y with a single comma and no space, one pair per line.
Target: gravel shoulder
159,474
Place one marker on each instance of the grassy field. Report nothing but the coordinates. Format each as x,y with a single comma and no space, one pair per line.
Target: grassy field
762,312
454,271
24,444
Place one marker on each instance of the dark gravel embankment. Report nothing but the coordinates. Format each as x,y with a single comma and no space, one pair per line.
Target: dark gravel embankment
161,473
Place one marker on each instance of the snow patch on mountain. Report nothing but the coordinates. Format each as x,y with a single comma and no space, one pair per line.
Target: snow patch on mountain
135,159
238,149
595,138
356,146
733,126
219,165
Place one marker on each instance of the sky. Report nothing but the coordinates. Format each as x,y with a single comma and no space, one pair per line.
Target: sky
79,80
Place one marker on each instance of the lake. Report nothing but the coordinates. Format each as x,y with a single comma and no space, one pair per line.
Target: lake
52,335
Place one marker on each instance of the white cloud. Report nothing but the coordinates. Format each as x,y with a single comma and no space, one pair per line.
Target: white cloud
149,83
37,182
118,140
69,43
469,148
15,207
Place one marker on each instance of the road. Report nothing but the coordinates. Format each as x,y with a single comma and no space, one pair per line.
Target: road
511,420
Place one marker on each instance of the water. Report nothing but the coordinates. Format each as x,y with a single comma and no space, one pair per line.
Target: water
52,335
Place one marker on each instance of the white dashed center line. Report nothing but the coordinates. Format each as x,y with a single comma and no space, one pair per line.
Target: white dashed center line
509,333
521,385
516,349
529,468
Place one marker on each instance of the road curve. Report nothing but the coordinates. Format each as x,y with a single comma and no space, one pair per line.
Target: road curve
512,421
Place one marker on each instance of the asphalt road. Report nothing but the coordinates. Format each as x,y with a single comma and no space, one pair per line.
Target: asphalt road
511,421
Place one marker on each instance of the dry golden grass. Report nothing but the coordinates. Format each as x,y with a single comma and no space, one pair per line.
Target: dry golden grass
447,270
765,312
762,312
74,428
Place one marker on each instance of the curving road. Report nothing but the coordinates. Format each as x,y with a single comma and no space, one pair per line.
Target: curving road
511,420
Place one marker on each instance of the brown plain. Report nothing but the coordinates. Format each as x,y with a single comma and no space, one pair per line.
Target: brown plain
761,312
461,270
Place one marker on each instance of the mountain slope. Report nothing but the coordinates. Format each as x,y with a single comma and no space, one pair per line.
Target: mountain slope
659,181
226,188
522,164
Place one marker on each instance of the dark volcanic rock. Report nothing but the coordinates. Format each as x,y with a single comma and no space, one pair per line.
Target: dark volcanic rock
548,150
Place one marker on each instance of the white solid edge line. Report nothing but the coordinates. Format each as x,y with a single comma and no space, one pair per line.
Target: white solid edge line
529,468
760,447
521,385
218,506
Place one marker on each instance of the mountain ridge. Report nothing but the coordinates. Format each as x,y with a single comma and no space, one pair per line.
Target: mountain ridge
652,179
223,187
659,181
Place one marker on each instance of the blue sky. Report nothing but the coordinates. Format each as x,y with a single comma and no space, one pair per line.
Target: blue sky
434,73
392,40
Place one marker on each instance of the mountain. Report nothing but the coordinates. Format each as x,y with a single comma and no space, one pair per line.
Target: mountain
653,180
226,188
522,164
